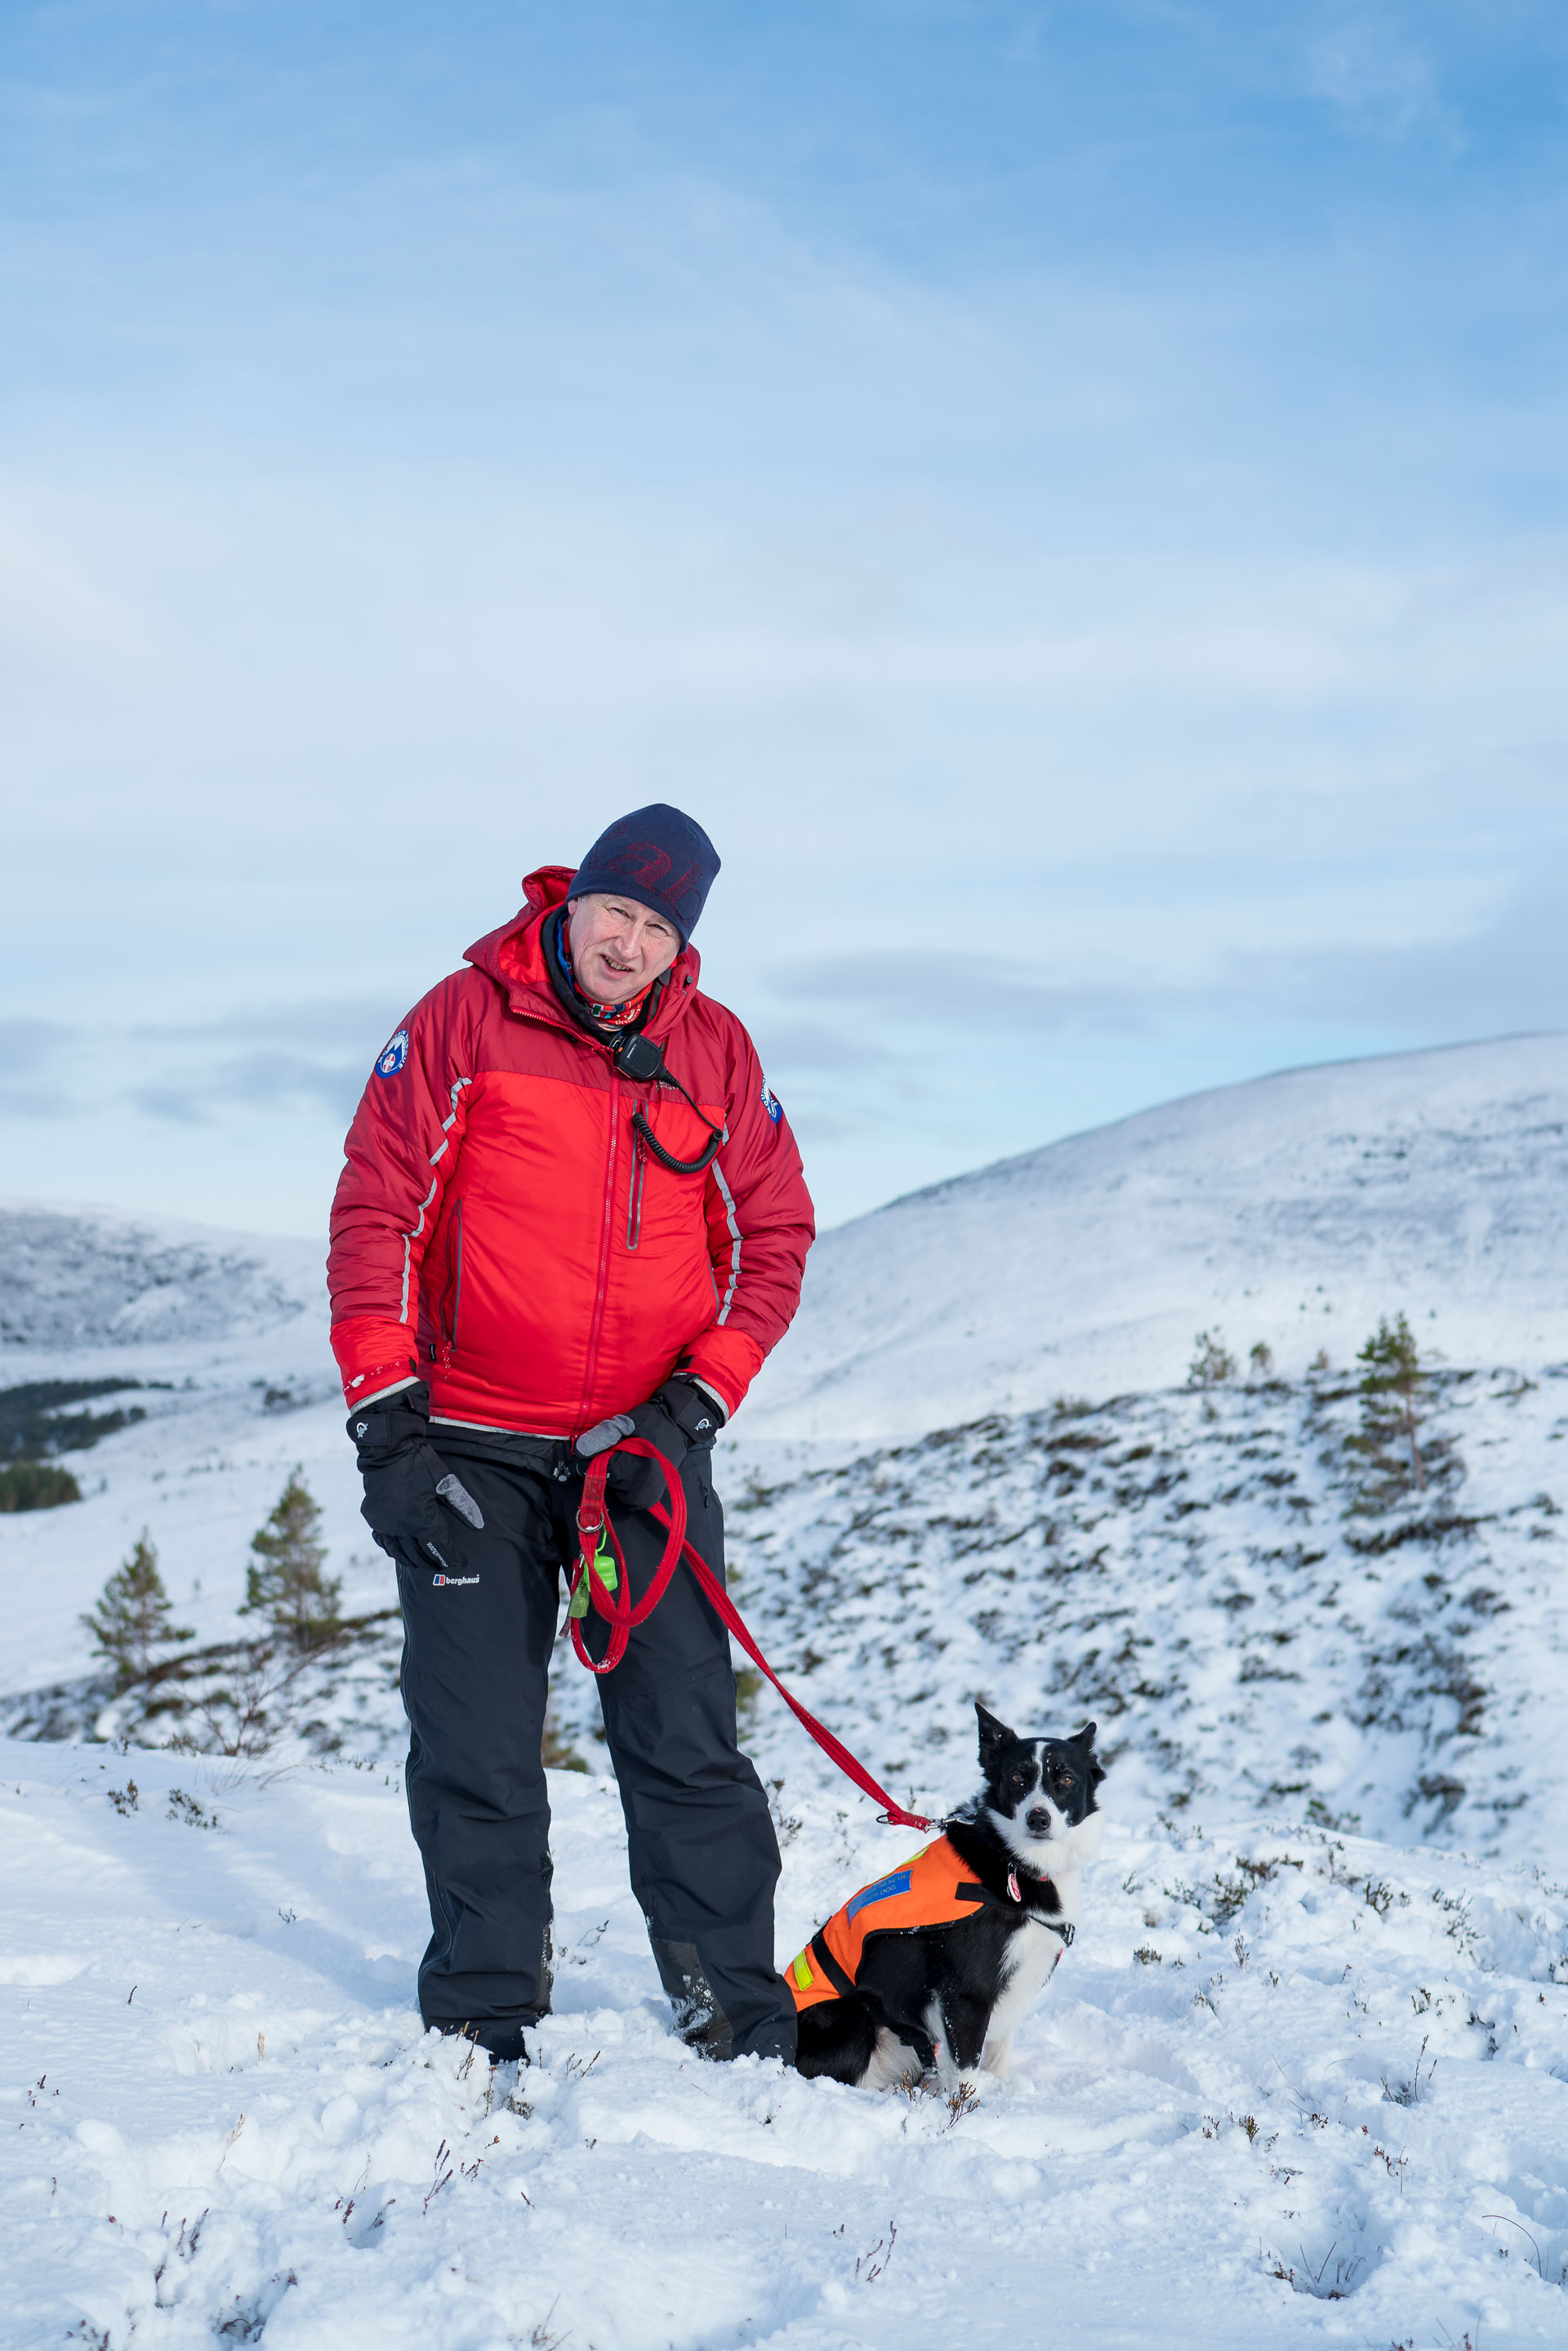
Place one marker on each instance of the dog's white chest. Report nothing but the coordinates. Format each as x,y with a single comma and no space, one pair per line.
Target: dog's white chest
1032,1953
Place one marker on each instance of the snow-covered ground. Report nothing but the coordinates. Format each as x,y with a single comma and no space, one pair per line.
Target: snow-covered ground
1287,2088
1227,2125
1295,1210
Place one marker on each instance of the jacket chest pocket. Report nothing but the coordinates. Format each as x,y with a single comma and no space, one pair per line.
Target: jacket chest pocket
663,1206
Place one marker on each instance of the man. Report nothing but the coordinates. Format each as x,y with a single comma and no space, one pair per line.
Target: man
570,1195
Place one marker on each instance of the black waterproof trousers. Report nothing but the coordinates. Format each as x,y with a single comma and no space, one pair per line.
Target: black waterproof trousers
703,1856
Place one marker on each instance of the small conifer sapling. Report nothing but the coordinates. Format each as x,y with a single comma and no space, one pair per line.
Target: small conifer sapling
130,1622
286,1585
1389,1436
1212,1361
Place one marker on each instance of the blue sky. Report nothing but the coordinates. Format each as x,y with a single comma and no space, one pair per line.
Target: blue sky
1072,497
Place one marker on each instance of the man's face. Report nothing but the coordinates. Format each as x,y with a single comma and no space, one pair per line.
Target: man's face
618,947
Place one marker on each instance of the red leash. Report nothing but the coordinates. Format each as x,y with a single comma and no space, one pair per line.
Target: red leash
616,1608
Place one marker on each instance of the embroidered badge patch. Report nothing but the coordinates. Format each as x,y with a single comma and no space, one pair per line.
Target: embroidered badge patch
392,1055
882,1891
771,1103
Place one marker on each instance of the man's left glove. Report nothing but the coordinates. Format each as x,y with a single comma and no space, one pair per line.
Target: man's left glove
680,1416
407,1482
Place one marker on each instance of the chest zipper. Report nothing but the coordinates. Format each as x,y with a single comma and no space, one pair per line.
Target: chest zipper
634,1191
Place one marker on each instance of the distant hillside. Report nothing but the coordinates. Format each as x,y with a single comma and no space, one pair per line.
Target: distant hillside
83,1278
1295,1209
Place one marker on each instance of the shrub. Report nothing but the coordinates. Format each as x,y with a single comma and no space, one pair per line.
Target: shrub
1261,1359
1212,1363
285,1585
35,1485
130,1619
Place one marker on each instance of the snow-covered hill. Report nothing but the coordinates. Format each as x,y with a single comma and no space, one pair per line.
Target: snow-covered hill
973,1470
1295,1210
76,1278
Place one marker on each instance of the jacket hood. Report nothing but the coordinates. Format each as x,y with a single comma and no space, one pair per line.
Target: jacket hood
514,956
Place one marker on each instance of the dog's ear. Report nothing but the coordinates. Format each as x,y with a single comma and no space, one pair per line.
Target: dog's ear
1085,1738
993,1736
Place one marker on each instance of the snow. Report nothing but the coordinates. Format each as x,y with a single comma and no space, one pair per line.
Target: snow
1295,1210
1345,2072
82,1278
1302,2076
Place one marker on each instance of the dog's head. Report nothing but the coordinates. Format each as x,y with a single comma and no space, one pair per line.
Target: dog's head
1039,1793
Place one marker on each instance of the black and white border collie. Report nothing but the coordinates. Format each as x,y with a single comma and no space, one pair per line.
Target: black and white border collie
951,1997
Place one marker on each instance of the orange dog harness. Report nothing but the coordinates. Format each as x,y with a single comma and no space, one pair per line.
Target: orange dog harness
934,1890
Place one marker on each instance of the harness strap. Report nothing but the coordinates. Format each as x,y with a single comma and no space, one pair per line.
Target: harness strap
844,1983
972,1892
616,1607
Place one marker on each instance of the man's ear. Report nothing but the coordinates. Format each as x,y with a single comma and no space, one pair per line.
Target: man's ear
993,1736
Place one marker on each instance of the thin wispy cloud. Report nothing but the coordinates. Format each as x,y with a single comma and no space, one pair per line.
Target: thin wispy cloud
1071,500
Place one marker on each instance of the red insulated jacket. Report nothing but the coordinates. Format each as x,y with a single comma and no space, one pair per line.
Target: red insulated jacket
499,1230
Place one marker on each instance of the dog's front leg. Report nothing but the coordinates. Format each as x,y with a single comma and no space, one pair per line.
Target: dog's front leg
957,2026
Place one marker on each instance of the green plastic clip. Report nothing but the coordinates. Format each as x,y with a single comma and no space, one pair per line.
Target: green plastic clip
604,1561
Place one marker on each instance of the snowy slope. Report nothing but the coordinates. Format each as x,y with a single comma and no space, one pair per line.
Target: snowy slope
1215,2126
1287,2088
1295,1209
78,1278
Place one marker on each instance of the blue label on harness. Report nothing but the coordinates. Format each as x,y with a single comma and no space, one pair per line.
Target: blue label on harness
882,1891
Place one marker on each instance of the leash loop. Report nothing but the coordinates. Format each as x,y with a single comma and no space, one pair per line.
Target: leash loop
594,1523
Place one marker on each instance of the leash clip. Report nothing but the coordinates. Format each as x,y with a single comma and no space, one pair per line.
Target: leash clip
590,1526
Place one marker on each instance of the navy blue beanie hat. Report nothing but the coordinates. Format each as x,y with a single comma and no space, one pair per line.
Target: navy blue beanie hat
657,856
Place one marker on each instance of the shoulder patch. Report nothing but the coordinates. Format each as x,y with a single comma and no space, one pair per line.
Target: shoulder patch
771,1103
882,1891
392,1055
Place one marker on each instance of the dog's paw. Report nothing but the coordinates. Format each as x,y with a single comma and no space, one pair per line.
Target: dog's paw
997,2061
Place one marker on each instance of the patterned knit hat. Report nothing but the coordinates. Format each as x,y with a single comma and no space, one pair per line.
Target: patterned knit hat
657,856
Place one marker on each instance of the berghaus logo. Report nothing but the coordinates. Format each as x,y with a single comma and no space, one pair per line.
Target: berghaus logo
452,1580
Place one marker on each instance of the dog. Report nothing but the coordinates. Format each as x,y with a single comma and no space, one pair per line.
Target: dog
934,1966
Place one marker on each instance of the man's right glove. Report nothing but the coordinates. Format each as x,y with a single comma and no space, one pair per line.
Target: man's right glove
413,1501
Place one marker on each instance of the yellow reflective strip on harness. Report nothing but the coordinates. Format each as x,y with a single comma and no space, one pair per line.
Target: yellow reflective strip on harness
800,1969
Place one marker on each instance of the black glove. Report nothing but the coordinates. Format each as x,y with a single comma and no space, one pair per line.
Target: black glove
680,1416
413,1501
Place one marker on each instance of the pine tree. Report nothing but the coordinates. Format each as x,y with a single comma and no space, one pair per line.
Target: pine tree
286,1585
1388,1440
130,1619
